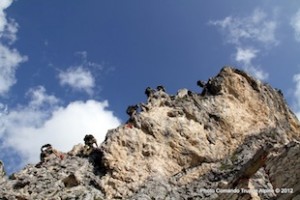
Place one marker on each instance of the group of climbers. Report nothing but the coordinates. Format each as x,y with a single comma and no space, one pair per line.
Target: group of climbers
90,143
49,153
159,97
150,93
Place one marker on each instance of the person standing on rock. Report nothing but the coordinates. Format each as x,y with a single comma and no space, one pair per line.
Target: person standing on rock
203,85
132,110
149,92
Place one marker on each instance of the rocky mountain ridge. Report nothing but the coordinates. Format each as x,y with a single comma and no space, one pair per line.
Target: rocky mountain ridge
237,139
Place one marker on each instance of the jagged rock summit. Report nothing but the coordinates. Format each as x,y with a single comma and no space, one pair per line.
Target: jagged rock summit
237,139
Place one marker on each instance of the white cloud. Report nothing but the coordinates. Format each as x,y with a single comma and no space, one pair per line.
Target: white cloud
77,78
257,72
245,57
295,23
3,21
39,97
296,79
256,27
8,27
3,112
5,3
11,31
10,58
86,63
27,128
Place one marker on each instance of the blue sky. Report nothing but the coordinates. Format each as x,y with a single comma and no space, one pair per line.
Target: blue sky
70,68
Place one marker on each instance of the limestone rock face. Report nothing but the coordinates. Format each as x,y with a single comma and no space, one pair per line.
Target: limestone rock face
2,171
236,139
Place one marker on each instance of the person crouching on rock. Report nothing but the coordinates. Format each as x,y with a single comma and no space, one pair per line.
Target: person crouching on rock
48,153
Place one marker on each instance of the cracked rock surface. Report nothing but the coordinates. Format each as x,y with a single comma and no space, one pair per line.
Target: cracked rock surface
237,133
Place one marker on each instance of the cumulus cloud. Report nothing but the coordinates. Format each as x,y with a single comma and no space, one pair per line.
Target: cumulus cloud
10,58
78,78
26,128
256,27
295,23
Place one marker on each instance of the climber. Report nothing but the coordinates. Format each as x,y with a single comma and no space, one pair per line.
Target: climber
189,93
131,110
201,84
149,91
46,150
89,141
161,88
47,153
